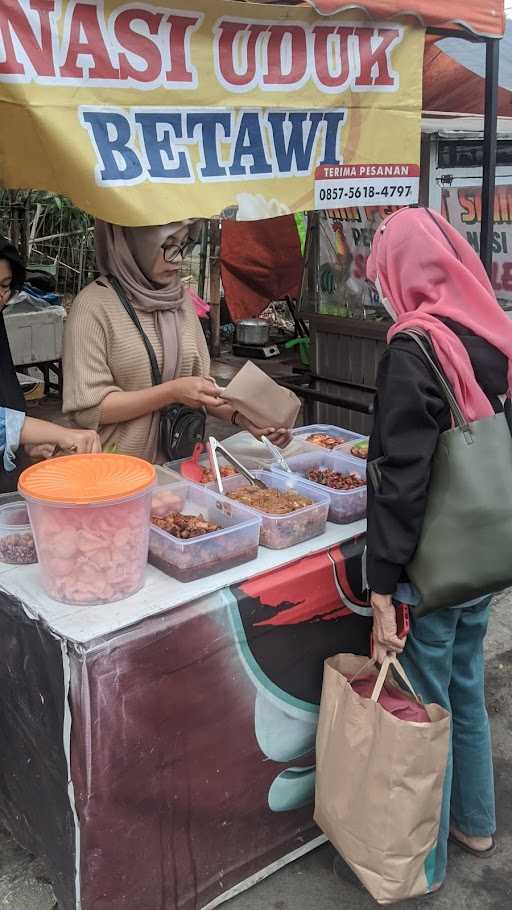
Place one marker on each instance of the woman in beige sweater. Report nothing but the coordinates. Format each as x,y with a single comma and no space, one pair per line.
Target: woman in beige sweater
107,374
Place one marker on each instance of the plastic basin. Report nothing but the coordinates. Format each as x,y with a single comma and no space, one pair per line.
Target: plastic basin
344,435
17,545
345,506
281,531
187,560
92,550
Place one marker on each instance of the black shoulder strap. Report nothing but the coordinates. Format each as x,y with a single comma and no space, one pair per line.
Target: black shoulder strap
423,342
132,313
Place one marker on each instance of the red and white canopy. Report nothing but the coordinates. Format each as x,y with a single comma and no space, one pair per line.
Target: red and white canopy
482,17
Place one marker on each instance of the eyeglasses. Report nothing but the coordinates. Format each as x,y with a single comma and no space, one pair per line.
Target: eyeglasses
173,251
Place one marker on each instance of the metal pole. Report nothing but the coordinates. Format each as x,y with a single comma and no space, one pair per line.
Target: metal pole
492,60
203,257
215,287
311,262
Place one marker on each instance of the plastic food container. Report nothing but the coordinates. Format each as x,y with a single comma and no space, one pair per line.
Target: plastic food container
347,447
203,462
17,547
90,518
236,543
345,505
344,435
281,531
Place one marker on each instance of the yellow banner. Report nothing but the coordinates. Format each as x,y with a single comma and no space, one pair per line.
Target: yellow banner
144,114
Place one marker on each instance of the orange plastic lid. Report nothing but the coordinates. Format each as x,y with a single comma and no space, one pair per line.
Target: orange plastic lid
87,479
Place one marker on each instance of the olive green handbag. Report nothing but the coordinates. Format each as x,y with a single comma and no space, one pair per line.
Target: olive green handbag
465,548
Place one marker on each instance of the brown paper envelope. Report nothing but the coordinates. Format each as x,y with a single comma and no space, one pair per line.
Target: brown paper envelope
261,399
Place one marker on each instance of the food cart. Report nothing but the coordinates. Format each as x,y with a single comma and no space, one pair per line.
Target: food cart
161,749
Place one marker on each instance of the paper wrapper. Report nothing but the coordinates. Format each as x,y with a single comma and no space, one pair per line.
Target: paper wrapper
262,400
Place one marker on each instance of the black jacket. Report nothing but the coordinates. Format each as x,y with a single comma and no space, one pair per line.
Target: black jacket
410,413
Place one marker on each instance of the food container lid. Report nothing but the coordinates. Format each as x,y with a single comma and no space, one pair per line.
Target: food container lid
87,479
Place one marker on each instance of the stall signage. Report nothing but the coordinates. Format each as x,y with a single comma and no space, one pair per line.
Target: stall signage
150,112
462,206
366,184
353,230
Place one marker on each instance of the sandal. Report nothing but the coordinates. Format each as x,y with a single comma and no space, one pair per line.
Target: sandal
482,854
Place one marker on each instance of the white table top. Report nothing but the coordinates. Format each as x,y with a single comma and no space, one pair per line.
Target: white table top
160,593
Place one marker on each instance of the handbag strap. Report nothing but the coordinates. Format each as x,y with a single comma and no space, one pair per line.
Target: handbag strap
132,313
458,417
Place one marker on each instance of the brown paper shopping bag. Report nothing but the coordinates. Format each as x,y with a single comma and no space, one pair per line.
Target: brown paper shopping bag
379,782
261,399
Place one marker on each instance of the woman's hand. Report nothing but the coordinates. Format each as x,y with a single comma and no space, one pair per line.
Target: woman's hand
195,392
39,453
39,436
77,442
385,638
279,437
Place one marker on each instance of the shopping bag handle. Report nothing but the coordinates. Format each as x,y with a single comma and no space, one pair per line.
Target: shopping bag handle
387,663
369,663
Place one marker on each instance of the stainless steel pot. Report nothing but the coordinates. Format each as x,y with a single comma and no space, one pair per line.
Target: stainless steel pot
252,331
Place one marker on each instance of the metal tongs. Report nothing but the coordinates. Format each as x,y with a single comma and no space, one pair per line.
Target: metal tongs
278,455
214,446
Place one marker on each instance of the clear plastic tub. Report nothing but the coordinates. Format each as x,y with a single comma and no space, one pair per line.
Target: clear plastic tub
92,541
346,506
348,447
17,547
203,461
281,531
236,543
344,435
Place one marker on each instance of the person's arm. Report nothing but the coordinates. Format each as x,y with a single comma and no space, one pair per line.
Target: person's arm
280,437
41,432
409,407
87,376
91,394
195,391
17,429
224,411
11,426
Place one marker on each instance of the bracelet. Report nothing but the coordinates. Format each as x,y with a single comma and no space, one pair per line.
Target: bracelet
234,418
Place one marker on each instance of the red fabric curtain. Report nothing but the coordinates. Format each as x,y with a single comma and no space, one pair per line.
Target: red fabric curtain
261,261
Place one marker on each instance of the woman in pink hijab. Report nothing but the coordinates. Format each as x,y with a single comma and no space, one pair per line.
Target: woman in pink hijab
430,279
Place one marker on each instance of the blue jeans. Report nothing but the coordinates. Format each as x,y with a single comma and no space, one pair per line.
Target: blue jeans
444,659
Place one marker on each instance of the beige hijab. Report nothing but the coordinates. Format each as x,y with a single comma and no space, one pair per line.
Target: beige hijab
130,255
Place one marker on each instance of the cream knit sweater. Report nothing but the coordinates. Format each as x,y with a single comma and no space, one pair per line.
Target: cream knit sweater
103,353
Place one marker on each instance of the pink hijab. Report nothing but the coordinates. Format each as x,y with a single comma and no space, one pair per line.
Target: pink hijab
427,271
